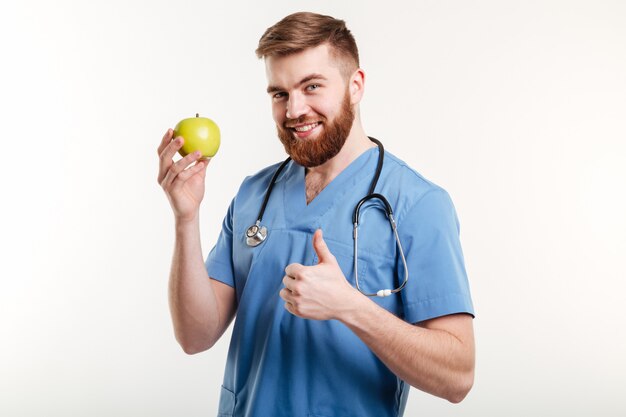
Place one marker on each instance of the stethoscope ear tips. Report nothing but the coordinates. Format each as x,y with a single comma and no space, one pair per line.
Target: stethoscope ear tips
256,234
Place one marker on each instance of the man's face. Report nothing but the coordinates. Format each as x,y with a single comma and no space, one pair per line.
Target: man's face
311,105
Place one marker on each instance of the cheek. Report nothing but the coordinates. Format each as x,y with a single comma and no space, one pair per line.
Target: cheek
278,113
325,107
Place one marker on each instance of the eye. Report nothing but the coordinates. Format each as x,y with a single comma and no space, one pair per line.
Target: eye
312,87
278,96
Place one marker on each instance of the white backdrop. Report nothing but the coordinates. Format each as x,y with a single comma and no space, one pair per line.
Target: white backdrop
516,108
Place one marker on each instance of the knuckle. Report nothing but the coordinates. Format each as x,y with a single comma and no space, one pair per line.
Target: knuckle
170,150
175,168
184,173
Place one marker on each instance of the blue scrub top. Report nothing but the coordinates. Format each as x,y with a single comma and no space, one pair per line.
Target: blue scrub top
282,365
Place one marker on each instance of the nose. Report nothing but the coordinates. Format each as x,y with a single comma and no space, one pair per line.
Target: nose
296,106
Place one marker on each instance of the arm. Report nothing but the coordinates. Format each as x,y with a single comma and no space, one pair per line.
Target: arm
201,308
437,356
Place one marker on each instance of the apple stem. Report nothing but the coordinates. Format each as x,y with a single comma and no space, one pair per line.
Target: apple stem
197,114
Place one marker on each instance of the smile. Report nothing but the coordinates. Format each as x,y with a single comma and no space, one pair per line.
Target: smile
305,128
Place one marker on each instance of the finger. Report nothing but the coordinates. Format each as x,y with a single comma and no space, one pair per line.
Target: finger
294,309
165,157
289,307
293,270
285,295
179,167
167,138
289,283
199,167
321,249
290,303
205,161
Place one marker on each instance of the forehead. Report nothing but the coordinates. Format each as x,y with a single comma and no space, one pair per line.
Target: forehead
286,71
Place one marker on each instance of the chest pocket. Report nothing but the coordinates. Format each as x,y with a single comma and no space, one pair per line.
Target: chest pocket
345,259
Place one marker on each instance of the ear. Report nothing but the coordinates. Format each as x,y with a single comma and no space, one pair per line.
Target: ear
356,86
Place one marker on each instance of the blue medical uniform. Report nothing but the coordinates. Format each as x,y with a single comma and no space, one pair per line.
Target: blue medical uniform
282,365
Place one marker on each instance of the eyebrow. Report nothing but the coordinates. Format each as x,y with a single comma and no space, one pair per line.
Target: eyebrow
310,77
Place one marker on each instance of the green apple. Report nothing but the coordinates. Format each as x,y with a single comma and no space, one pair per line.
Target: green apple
200,134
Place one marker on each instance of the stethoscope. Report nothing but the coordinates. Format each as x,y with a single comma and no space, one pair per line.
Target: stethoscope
256,234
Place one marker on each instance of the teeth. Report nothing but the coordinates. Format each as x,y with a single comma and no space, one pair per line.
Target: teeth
306,127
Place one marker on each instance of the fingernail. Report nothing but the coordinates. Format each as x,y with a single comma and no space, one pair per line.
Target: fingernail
197,154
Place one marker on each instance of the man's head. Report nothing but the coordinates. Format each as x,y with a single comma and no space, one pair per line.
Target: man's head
312,66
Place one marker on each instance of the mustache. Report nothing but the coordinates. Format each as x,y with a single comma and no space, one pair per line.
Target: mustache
291,123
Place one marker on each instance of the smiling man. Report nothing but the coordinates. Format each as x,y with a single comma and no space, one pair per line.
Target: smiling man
339,324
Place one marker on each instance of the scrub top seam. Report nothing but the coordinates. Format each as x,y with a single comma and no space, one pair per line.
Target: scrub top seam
410,208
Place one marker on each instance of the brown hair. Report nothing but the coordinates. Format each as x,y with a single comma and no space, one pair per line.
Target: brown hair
303,30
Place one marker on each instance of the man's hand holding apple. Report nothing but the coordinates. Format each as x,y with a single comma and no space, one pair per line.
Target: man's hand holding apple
183,183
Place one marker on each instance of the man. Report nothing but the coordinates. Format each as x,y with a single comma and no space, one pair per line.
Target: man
306,342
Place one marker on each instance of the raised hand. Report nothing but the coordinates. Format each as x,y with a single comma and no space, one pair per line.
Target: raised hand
319,292
182,182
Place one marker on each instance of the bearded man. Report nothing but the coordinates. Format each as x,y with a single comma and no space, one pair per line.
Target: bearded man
339,324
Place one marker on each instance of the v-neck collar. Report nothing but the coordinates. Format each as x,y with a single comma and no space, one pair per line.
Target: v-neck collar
298,211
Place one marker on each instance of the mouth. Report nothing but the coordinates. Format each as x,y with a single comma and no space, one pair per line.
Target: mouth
304,130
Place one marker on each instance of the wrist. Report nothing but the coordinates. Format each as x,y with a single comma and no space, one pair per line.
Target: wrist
356,306
184,223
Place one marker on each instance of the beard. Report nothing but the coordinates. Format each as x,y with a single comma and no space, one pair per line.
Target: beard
314,152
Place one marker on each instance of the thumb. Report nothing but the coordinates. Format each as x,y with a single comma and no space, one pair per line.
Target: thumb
321,249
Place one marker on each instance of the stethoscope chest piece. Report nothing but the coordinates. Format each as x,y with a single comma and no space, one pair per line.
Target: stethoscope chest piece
256,234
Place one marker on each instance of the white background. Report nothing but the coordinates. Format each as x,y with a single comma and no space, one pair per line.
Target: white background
516,108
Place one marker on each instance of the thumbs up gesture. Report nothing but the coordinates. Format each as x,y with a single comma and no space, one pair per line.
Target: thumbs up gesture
319,292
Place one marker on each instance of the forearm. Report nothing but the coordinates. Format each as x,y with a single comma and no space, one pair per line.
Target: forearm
193,303
432,360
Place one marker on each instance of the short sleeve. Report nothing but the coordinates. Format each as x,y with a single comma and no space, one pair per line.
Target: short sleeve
219,262
438,284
